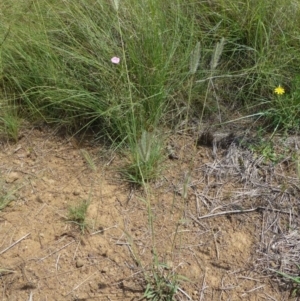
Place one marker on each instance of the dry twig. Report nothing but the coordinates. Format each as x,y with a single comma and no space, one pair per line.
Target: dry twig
3,251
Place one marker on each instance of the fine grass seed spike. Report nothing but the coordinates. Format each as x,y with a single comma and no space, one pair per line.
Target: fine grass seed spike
195,58
116,3
217,54
144,146
88,159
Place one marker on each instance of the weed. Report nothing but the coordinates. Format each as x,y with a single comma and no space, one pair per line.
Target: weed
89,160
5,200
284,111
265,149
64,75
146,159
77,215
7,195
295,280
10,125
127,72
161,286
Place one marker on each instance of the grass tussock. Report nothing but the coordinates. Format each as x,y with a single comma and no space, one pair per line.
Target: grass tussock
177,59
128,69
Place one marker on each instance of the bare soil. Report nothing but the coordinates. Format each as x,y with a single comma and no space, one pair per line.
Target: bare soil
216,216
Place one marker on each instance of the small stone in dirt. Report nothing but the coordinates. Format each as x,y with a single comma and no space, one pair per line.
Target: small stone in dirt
104,253
104,270
138,233
76,192
195,293
12,177
93,286
38,199
79,263
116,259
48,181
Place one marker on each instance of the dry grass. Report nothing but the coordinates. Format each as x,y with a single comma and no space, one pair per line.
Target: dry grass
262,187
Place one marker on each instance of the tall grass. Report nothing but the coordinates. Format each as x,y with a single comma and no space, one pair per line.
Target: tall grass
55,61
57,56
178,59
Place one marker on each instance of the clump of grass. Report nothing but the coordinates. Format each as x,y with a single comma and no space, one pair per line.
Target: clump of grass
56,62
7,194
284,110
77,215
56,58
10,124
5,200
162,285
295,280
88,159
145,159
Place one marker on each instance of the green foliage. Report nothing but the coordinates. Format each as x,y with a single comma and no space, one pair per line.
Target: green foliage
145,159
56,57
294,279
55,64
284,110
77,215
5,199
264,147
162,282
7,194
161,287
10,124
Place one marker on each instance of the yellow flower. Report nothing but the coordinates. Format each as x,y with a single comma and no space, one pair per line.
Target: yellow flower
279,90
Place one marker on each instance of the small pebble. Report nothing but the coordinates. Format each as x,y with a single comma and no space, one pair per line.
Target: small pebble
116,259
79,263
104,270
76,192
12,177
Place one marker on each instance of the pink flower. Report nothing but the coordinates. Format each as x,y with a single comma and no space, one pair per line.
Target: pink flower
115,60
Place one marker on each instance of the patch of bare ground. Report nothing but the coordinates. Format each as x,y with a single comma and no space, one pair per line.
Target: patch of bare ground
223,218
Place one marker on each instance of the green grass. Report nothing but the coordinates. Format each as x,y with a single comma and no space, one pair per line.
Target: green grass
199,59
56,56
55,64
295,280
179,59
77,215
8,194
6,199
162,286
144,160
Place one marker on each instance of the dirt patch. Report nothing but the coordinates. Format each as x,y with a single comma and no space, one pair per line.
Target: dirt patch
197,226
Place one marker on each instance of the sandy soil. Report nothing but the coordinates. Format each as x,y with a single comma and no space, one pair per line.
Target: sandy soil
224,257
